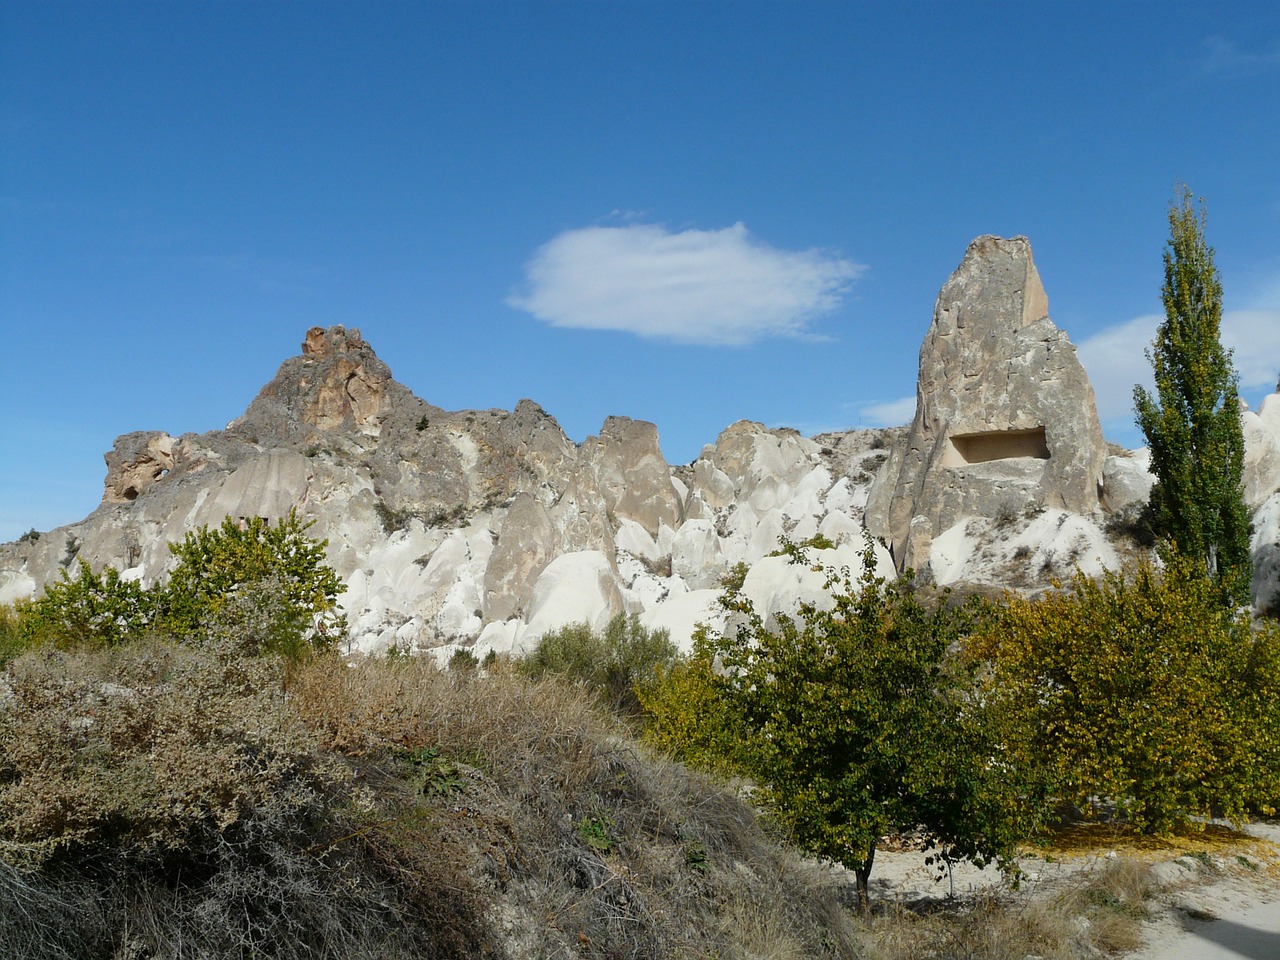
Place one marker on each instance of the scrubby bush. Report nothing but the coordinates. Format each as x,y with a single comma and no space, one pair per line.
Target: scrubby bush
278,563
93,608
611,664
143,748
159,799
1142,691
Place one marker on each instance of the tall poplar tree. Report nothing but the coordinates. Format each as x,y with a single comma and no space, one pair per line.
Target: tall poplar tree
1192,424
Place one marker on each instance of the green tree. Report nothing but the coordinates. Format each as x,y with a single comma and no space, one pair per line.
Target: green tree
1141,690
1192,423
857,720
262,584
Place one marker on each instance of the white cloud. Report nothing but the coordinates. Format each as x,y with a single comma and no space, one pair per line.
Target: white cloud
720,287
895,413
1116,359
1224,56
1254,336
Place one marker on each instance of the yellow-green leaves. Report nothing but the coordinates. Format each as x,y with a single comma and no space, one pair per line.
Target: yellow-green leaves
1141,693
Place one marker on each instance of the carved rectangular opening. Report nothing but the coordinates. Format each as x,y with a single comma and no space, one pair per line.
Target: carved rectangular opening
967,448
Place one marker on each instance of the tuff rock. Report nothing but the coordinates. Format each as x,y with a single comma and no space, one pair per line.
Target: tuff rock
1005,420
483,529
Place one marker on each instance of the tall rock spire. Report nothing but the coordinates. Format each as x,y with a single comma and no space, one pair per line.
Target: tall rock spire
1005,415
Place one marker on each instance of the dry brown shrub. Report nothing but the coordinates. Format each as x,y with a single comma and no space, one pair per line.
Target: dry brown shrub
1100,913
596,848
139,747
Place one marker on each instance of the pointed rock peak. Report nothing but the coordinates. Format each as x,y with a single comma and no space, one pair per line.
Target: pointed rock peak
327,341
1005,418
1000,275
338,383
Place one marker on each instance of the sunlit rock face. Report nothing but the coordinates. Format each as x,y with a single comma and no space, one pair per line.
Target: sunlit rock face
474,528
1005,423
484,529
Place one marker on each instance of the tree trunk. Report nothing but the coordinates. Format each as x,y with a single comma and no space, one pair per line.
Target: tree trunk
863,875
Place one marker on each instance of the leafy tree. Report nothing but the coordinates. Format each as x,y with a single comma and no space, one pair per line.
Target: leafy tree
265,584
1142,690
857,720
1192,424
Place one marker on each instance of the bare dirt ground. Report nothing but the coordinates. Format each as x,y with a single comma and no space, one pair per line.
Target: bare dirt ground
1217,894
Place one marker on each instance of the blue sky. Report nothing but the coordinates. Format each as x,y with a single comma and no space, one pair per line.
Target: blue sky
689,213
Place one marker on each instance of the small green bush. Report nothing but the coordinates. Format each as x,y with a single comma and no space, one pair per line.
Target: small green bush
93,608
612,664
226,574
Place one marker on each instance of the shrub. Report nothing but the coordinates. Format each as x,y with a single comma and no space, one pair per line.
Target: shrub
162,800
143,748
94,608
612,665
13,638
856,720
1142,690
272,578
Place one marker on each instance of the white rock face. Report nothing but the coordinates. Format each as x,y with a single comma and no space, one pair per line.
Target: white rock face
1023,552
1127,479
1261,452
574,588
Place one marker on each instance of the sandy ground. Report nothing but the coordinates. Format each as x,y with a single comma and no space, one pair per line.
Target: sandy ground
1223,909
1223,918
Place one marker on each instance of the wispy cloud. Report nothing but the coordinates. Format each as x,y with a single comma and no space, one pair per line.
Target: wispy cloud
1116,360
1224,56
894,413
719,287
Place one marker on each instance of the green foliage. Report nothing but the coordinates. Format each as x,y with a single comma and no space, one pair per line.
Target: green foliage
13,639
463,659
226,575
1141,690
687,715
612,664
597,834
855,719
1192,424
435,775
94,608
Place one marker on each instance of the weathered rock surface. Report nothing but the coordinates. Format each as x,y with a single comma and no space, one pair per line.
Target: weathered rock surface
484,529
1005,416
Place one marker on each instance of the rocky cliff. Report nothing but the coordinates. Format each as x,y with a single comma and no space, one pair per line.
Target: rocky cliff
486,528
480,527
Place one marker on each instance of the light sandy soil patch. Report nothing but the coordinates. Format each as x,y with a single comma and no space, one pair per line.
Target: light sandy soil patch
1218,894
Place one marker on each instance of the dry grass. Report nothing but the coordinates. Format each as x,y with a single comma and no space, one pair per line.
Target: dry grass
1099,914
591,847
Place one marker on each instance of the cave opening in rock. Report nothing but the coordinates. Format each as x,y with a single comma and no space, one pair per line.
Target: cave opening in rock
969,448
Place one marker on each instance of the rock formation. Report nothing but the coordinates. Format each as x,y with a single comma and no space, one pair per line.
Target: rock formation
486,528
1005,421
482,528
